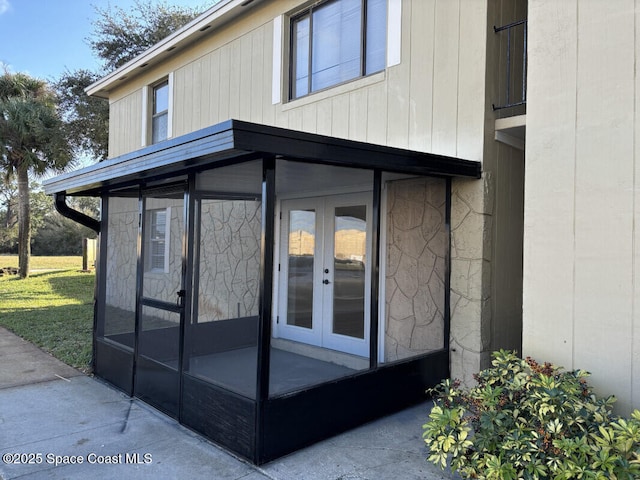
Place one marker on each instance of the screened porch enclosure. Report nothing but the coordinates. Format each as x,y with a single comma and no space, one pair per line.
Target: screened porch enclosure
270,288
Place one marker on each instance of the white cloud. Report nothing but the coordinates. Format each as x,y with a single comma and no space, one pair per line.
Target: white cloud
4,6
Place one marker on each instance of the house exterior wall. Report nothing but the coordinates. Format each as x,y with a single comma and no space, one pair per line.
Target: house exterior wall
435,100
581,199
432,101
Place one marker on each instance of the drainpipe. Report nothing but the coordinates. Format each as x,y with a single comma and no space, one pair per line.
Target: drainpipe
76,216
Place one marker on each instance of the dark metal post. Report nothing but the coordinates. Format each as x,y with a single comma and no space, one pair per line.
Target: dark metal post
139,274
508,101
375,269
187,282
524,65
447,277
99,308
266,297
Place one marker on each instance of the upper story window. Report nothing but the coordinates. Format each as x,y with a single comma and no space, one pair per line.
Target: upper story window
160,112
337,41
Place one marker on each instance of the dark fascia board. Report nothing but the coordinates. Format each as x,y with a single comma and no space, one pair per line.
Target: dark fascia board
202,147
235,141
347,153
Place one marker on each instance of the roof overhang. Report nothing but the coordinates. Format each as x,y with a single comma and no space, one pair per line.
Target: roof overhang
236,141
221,13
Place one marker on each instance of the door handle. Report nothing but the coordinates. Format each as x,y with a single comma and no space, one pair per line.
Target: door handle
181,294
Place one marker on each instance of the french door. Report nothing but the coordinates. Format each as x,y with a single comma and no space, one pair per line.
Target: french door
324,272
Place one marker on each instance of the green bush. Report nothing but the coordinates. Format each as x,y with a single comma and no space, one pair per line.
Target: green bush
525,420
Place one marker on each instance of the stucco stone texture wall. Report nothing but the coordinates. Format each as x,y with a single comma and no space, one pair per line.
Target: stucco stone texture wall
229,268
470,279
417,248
122,261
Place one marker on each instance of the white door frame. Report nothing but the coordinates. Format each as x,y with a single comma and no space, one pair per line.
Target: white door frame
321,333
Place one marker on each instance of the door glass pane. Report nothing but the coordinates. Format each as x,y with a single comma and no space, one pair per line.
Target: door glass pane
119,316
302,241
349,270
163,234
159,335
222,339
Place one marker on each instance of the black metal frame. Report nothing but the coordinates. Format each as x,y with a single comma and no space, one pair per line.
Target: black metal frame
523,94
269,426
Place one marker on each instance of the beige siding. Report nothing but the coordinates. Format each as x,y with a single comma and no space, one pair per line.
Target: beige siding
419,104
581,197
125,124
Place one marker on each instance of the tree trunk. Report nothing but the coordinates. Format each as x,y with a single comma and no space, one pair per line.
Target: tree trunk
24,222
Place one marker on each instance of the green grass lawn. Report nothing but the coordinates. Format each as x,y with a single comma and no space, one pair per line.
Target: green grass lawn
53,310
40,263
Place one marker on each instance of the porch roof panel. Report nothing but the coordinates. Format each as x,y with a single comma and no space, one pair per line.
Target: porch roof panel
235,141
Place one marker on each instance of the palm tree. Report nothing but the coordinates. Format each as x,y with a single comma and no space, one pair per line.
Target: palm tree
32,140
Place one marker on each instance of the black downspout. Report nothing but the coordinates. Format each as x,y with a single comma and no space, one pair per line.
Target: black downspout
76,216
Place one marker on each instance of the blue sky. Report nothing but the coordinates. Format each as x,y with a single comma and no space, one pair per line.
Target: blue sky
44,37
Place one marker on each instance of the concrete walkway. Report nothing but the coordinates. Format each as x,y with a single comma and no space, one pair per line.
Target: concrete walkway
52,417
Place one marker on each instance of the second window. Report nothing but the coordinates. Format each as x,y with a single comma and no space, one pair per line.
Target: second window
335,42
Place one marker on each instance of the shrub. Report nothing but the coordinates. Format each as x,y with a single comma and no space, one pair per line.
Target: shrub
525,420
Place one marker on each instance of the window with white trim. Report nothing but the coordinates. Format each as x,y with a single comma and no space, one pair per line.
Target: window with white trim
160,112
157,109
157,251
337,41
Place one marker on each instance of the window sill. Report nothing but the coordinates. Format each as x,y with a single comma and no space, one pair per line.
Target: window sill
340,89
156,272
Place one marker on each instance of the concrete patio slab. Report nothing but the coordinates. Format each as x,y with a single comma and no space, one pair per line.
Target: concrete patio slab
56,423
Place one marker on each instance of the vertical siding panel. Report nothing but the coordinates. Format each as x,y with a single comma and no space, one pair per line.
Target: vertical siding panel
281,118
445,84
471,79
178,101
295,119
136,119
246,60
205,91
214,87
268,109
324,117
310,118
113,128
196,96
186,125
234,78
258,77
550,199
398,88
377,114
126,124
225,83
340,116
358,115
421,86
604,196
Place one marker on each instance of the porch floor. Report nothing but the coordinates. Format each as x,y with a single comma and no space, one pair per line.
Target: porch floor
236,370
